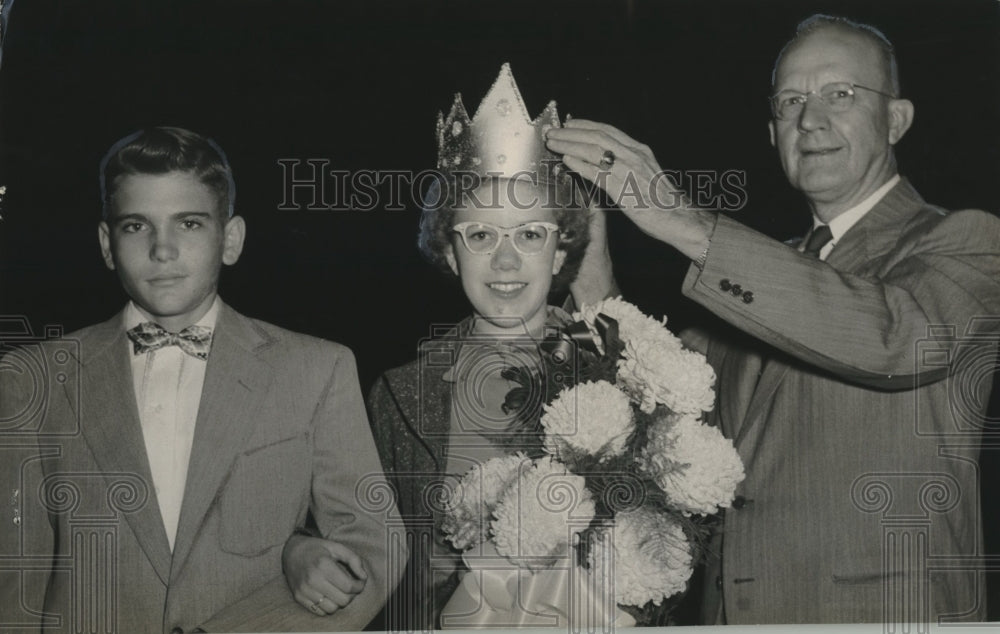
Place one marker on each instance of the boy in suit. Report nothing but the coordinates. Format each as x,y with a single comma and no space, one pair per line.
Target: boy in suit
204,437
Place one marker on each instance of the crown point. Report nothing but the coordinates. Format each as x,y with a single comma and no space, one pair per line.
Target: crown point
500,139
549,114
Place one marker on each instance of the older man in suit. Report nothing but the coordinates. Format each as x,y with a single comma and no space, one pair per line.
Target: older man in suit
155,488
852,383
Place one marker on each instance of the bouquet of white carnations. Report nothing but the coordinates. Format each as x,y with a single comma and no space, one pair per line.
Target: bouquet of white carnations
625,472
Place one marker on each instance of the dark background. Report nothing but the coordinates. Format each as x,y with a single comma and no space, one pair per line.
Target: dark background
360,84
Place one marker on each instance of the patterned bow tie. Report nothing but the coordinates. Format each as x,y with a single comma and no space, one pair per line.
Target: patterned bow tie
194,340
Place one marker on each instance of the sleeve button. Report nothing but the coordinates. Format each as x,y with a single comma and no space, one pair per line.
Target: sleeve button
747,297
736,290
725,285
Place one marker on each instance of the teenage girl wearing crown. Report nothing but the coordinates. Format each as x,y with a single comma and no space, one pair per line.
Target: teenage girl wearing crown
511,239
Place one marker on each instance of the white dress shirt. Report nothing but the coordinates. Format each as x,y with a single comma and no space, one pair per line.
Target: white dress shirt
846,220
168,384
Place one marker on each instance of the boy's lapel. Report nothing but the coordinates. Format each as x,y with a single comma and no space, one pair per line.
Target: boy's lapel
110,425
236,380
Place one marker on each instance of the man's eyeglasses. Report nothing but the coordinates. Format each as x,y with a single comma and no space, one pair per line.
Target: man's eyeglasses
482,238
838,97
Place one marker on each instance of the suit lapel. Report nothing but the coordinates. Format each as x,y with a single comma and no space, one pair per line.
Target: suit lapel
236,380
437,417
738,368
878,231
429,416
873,235
772,373
111,427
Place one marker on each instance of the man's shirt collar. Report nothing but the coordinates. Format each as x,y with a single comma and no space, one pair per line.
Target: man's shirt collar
846,220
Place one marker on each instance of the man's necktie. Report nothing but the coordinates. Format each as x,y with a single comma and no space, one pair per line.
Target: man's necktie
194,340
818,239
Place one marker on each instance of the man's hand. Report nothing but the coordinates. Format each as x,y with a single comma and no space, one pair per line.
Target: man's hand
324,576
635,182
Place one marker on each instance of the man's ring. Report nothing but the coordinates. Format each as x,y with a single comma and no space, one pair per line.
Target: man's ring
607,160
315,609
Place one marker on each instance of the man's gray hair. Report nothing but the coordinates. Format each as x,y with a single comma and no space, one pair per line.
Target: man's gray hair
820,21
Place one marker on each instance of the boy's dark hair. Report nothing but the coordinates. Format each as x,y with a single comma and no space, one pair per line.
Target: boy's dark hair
161,150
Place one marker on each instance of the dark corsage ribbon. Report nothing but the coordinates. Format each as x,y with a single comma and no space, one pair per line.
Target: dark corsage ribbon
569,356
578,335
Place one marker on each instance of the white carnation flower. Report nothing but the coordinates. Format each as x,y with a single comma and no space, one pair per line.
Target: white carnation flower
695,465
537,515
649,554
655,367
656,373
593,417
633,324
471,503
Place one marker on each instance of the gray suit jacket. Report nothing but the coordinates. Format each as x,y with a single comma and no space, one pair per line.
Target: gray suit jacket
856,403
281,430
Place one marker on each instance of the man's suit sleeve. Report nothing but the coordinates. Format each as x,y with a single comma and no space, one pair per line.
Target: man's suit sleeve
864,328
